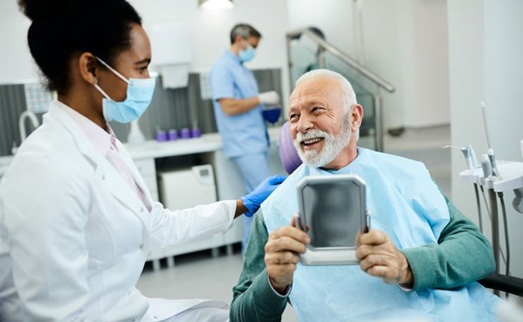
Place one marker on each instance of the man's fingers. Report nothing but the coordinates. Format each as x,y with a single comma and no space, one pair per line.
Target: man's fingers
375,260
292,232
281,258
363,251
373,237
285,244
388,275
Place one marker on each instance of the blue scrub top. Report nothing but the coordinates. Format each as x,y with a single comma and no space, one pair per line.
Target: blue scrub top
244,133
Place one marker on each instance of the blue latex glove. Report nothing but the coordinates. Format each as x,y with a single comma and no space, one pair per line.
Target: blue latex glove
253,200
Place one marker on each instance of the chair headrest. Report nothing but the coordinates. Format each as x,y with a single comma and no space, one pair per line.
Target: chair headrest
290,159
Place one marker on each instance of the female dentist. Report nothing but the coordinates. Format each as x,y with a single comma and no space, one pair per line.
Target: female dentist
76,219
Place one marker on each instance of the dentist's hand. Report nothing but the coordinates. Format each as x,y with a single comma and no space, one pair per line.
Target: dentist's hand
253,200
282,253
269,98
379,257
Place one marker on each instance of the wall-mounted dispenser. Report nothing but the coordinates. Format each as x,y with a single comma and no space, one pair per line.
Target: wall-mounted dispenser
171,52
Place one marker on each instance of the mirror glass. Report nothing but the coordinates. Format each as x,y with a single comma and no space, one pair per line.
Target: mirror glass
333,211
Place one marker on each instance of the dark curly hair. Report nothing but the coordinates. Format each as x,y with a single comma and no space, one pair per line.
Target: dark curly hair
62,28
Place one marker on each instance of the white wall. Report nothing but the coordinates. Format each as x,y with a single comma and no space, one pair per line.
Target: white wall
209,33
210,29
333,17
404,41
485,65
16,63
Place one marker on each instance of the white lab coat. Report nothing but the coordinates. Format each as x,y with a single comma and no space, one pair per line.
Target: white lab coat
74,235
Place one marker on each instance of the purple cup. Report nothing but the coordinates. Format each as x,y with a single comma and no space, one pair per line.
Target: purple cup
161,136
173,135
196,132
185,133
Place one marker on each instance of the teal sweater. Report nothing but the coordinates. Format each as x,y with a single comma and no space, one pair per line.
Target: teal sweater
463,255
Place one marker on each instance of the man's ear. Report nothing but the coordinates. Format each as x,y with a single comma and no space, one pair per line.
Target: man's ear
357,116
237,39
88,66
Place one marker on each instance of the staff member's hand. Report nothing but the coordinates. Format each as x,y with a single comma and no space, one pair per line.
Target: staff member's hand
282,253
379,257
269,98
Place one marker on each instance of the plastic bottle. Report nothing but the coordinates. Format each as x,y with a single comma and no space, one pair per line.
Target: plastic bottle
135,134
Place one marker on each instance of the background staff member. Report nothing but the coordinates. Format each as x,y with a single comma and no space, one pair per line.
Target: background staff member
238,109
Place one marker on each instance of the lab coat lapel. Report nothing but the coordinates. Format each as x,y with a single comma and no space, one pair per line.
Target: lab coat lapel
104,171
134,171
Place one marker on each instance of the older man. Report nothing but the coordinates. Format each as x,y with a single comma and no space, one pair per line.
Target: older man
420,260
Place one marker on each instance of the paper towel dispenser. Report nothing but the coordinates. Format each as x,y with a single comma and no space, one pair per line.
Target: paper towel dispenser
172,54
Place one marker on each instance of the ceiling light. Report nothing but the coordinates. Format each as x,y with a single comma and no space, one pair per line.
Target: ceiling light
216,4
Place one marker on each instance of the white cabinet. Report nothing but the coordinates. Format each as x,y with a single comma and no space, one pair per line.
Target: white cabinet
227,184
187,188
230,186
184,189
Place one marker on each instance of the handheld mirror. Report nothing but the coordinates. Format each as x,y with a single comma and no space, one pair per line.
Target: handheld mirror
334,207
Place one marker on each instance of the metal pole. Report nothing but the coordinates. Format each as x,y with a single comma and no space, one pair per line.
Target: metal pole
378,122
289,62
495,226
320,57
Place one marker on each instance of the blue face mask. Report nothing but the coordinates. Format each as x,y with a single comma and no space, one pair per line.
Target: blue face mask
247,54
139,95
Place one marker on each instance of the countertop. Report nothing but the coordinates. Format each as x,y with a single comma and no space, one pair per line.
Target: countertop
153,149
205,143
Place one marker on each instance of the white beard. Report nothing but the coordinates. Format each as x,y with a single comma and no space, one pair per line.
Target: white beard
332,146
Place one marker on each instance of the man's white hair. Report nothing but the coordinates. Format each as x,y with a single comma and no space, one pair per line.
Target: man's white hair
349,97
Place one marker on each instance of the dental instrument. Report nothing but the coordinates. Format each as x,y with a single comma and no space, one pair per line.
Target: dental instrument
490,151
472,162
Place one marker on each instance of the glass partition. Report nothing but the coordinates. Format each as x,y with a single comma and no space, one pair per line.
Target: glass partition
307,50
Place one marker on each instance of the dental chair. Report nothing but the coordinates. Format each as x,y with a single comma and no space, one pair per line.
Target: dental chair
499,283
511,308
503,283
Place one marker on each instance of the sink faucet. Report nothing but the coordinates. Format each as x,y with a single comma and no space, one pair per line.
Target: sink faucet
21,123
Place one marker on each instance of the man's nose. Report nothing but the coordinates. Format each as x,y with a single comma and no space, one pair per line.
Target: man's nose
304,123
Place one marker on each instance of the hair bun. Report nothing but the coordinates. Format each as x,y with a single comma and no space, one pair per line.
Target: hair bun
38,10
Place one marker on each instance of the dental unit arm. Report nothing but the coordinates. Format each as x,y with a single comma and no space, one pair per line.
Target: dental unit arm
497,177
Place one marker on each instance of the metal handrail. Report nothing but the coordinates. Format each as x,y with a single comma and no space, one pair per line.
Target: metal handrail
341,55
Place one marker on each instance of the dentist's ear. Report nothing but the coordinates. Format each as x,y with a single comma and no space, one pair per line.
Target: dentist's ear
87,67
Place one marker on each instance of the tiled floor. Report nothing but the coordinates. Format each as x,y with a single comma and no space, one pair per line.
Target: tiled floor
199,275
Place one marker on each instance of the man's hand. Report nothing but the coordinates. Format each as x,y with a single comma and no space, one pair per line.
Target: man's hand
379,257
282,253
